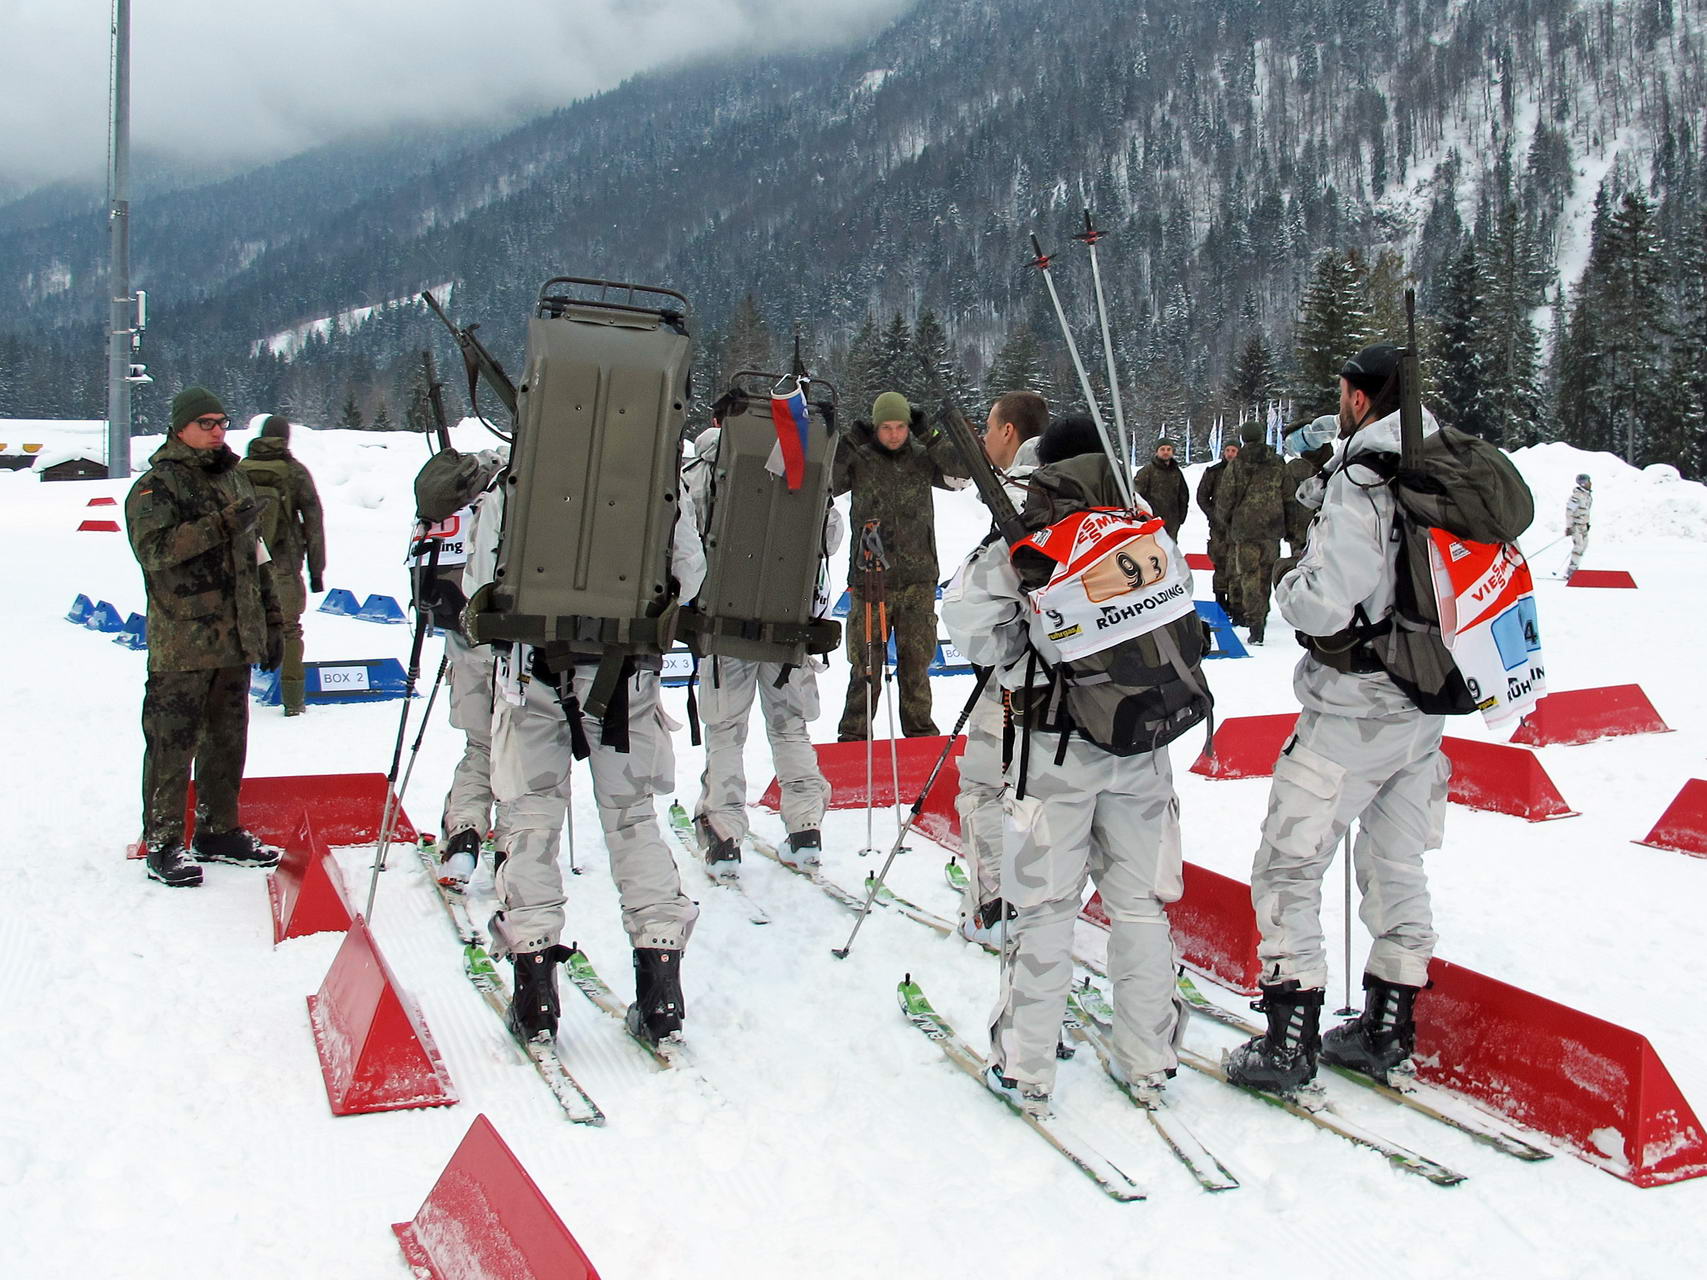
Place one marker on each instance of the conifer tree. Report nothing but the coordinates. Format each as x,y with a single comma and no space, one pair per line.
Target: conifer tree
1334,323
350,416
1462,393
1020,365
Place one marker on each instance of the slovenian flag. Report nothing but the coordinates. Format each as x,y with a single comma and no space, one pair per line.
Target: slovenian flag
788,458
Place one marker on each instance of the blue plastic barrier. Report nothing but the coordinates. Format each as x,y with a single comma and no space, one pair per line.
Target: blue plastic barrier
356,680
104,618
1226,640
81,608
340,602
135,633
378,608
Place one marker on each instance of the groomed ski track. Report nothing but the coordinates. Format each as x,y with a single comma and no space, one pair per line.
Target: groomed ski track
170,1118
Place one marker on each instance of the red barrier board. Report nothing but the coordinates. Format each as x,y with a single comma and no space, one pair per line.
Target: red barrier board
374,1048
1598,1087
1499,779
1587,715
347,809
1682,828
98,526
1601,578
486,1217
843,765
306,889
1198,560
1214,927
1246,746
102,502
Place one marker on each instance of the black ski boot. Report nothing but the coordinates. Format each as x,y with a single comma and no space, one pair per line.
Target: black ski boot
1379,1038
722,855
1283,1059
533,1005
658,1009
805,850
170,865
237,847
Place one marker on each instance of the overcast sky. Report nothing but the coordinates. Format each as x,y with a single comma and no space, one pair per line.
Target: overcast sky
258,79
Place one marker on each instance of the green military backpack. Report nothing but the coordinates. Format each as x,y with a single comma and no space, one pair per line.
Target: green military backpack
270,478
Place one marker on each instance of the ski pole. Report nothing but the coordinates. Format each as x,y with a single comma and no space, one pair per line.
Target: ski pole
1347,1011
1121,479
889,701
876,885
393,797
1530,555
871,562
1089,238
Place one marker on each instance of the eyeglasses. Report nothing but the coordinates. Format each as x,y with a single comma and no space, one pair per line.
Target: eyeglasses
211,423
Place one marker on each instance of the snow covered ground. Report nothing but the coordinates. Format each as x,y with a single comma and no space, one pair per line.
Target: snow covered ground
165,1115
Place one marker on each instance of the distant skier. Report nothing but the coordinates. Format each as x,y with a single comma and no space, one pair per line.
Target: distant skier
1577,508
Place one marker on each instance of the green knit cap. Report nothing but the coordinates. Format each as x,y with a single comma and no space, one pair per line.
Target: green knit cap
190,404
891,406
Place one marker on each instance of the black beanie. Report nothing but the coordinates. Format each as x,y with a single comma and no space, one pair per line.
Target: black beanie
1068,437
276,426
1369,369
1252,432
190,404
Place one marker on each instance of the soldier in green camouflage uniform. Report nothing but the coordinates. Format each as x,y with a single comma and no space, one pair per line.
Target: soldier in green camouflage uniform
1161,487
1251,501
890,468
294,533
1207,488
192,518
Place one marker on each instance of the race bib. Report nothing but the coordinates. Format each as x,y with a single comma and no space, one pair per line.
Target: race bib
1115,578
451,535
1488,623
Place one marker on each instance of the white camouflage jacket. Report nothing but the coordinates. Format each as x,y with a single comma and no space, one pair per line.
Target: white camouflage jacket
1350,561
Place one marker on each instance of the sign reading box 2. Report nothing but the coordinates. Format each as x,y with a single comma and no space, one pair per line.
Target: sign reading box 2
343,679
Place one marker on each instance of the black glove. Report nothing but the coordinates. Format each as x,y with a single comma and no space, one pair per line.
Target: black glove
275,648
240,517
315,583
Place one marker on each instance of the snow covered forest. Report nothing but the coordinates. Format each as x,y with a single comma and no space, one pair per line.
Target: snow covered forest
1271,174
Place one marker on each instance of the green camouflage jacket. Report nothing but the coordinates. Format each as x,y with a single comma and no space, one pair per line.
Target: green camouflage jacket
895,489
1251,497
208,603
302,532
1298,516
1163,490
1207,487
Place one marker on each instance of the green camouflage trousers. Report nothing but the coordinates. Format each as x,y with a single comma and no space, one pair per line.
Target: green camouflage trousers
1249,579
293,599
199,718
911,615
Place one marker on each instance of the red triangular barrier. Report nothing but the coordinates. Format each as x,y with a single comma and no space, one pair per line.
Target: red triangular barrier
1599,1087
1500,779
374,1048
1682,828
486,1218
98,526
347,809
1586,715
1246,746
1198,560
1601,578
306,889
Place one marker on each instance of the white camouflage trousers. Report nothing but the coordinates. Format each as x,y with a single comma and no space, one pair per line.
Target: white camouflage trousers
979,803
1579,544
726,689
1114,819
1389,774
468,803
531,760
